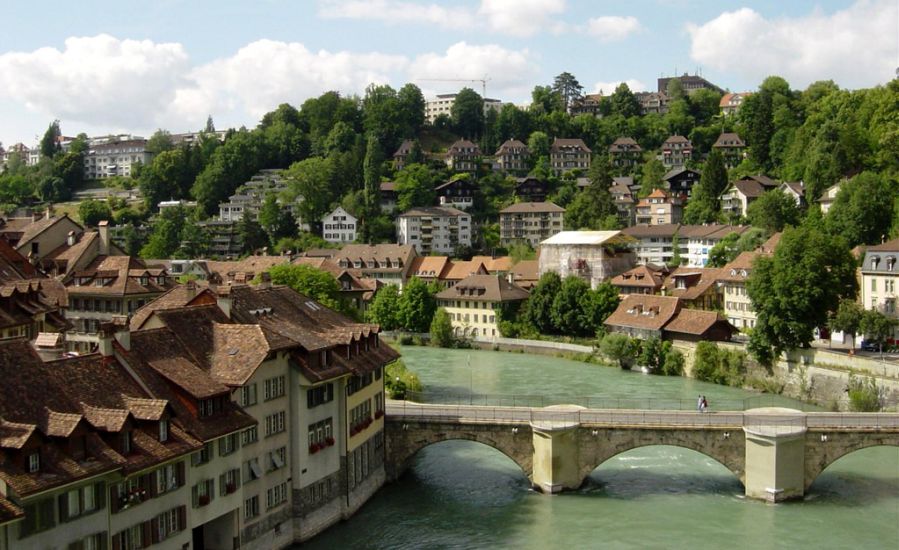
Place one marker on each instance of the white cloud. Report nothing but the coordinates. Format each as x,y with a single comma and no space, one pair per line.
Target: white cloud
123,83
511,72
395,11
607,88
521,17
610,28
856,47
265,73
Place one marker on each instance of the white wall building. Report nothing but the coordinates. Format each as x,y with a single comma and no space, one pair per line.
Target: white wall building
443,105
339,226
115,158
434,229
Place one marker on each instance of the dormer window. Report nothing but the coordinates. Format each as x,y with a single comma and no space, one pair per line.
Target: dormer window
163,431
324,358
874,262
357,264
34,462
126,442
144,281
160,280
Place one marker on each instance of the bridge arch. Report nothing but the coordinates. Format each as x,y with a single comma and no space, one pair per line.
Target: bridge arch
819,455
729,450
405,440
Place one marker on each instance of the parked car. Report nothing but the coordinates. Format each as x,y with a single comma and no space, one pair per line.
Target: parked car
869,345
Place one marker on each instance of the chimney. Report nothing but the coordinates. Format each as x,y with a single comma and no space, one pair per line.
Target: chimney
107,335
70,238
265,280
47,213
103,229
122,331
223,299
191,288
113,331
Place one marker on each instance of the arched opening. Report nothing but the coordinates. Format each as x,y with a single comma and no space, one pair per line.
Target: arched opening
860,475
657,469
463,468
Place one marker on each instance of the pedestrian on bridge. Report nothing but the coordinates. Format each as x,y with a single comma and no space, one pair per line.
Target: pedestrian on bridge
699,403
703,405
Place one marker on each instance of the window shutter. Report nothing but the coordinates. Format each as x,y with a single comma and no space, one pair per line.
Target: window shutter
100,496
151,482
195,495
146,534
63,507
154,530
179,473
182,517
117,542
102,539
113,499
222,485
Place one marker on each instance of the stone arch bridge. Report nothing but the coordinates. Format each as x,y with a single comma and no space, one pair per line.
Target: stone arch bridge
776,453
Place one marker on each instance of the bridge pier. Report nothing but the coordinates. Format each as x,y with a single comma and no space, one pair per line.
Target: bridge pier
556,448
775,454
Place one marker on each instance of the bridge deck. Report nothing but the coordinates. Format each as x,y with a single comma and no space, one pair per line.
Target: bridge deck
770,418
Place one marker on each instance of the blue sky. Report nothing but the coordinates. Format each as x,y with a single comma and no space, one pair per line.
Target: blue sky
134,66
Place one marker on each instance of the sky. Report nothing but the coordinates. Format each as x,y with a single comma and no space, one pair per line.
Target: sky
102,67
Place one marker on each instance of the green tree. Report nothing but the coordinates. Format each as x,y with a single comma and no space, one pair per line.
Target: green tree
467,114
252,236
546,100
165,239
877,327
795,290
728,248
863,210
568,88
310,182
619,347
51,189
372,185
414,187
705,204
651,176
230,165
411,104
50,144
167,177
673,364
442,329
417,306
675,90
773,211
864,396
624,102
319,285
70,168
92,212
159,142
566,311
540,302
596,305
594,207
385,308
539,144
847,318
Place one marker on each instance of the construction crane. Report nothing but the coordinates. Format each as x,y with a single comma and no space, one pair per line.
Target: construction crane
483,82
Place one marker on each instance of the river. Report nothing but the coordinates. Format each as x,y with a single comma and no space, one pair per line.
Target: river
461,494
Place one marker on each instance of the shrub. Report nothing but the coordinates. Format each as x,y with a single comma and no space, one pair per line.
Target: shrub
398,380
442,330
863,395
673,364
619,347
719,366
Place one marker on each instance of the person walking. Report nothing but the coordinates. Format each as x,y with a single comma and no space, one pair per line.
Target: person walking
705,404
699,403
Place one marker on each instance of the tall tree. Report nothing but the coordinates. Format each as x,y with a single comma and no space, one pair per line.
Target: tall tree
411,103
417,306
568,88
624,102
309,182
863,210
372,182
540,302
773,211
847,318
160,141
651,176
594,207
385,308
705,204
795,290
467,114
210,125
414,187
50,144
545,100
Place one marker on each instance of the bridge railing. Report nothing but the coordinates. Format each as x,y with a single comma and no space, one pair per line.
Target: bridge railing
767,422
602,402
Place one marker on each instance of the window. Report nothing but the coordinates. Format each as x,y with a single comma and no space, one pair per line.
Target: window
252,470
34,462
247,395
130,539
167,478
80,502
873,284
277,459
320,435
319,395
229,481
251,507
163,430
97,541
250,435
203,493
274,388
126,442
202,456
274,423
276,495
229,444
39,516
168,523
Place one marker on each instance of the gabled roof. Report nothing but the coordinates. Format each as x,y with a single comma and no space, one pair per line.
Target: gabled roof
434,211
695,322
644,311
34,229
404,148
429,266
729,139
566,143
485,288
586,238
749,188
460,269
510,144
460,146
179,296
675,140
494,265
675,172
624,144
532,208
641,276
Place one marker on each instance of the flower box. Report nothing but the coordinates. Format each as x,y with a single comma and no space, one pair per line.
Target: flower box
378,414
313,448
230,488
329,441
203,500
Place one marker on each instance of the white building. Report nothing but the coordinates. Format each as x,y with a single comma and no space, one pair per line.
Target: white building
440,229
654,244
443,105
530,222
594,256
701,238
115,157
339,226
879,277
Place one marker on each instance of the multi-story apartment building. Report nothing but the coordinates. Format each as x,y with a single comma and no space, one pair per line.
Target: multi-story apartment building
654,244
388,264
731,147
594,256
586,105
472,304
625,153
339,226
109,286
880,276
701,239
659,208
680,181
652,102
566,155
739,195
249,197
439,229
676,151
443,105
737,305
513,156
115,157
530,222
531,189
463,156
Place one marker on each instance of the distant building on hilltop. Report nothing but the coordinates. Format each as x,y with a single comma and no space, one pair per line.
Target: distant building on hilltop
689,82
443,105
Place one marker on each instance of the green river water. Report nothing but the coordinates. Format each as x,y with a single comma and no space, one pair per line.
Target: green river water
462,494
